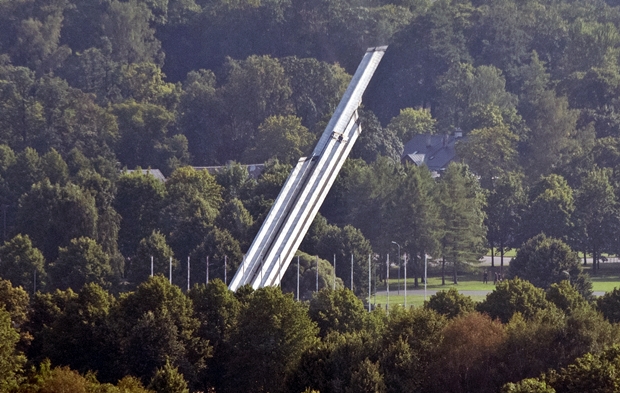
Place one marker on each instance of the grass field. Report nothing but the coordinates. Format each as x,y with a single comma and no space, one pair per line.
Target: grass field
605,280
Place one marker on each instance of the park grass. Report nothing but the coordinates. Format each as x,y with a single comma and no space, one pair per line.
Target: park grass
508,253
412,300
605,280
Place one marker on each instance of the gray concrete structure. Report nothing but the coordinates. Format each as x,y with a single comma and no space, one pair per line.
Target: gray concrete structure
306,188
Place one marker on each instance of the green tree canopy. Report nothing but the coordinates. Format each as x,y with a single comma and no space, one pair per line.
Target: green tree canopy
281,137
20,261
11,362
544,261
272,325
450,303
462,231
337,311
52,215
168,380
139,200
153,248
81,262
512,296
552,204
411,122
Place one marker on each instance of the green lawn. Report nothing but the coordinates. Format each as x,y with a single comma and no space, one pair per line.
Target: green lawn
412,300
507,253
605,280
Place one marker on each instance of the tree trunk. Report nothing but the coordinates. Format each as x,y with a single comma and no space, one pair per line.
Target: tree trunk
595,261
455,278
585,255
443,270
492,254
501,251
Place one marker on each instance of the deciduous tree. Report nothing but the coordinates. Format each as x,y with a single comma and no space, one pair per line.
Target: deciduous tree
22,264
82,261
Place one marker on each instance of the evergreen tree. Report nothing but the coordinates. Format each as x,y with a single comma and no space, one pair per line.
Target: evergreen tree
461,210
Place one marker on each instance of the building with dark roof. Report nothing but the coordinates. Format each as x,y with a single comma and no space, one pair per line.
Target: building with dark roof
434,151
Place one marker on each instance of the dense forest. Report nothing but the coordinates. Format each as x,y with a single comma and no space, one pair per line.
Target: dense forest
90,89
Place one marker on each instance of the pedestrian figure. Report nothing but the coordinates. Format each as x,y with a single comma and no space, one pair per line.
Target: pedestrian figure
485,277
495,279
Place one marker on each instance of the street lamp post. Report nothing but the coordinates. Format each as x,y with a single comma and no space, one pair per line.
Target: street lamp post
405,280
425,275
393,242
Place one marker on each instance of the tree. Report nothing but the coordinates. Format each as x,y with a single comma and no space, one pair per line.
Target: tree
256,89
143,128
236,219
513,296
417,332
551,207
281,137
108,220
81,262
271,325
566,297
21,115
596,213
461,210
22,264
15,301
38,36
197,115
591,372
544,261
54,167
309,280
376,141
413,217
337,311
506,206
344,244
192,205
25,171
463,87
316,88
489,151
367,378
139,200
151,249
450,303
144,83
553,128
127,27
11,361
528,385
52,215
80,336
411,122
608,305
236,182
466,354
168,380
217,309
224,253
46,308
156,324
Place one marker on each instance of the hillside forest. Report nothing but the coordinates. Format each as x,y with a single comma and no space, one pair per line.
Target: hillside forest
92,89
